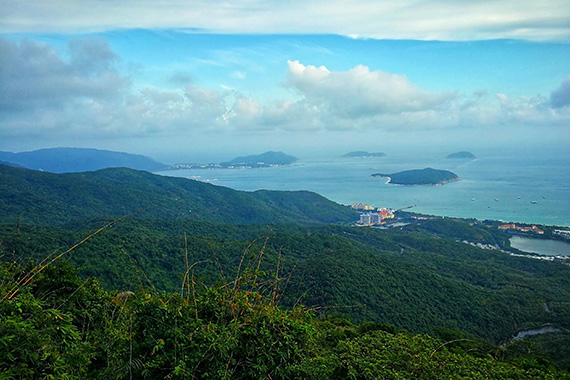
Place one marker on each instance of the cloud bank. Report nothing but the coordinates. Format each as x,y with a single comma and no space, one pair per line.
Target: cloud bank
384,19
80,94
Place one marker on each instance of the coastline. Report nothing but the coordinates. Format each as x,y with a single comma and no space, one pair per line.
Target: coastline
483,180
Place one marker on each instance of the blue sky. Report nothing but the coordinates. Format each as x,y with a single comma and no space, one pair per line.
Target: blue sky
203,81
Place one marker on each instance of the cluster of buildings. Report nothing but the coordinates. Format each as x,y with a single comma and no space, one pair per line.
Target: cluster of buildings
513,226
375,217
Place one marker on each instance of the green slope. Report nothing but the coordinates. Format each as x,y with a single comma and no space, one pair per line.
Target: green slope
414,280
62,327
45,198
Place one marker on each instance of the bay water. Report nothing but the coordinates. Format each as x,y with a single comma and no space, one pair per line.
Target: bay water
513,187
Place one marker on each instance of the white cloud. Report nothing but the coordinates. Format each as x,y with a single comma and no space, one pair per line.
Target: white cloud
48,98
360,92
385,19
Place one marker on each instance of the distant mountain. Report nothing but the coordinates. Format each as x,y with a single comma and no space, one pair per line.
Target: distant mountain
426,176
66,160
462,155
361,153
47,198
261,160
10,164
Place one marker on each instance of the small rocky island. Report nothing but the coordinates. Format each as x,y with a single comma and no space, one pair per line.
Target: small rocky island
462,155
427,176
361,153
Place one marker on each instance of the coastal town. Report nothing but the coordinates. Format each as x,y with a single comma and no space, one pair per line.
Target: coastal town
372,216
384,218
514,227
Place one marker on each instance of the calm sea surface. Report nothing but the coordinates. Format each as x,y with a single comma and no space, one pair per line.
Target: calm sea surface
494,187
541,246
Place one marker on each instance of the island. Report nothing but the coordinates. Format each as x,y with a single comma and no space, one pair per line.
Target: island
261,160
462,155
361,153
264,160
427,176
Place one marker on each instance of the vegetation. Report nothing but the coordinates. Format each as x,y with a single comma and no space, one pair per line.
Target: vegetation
427,176
59,326
54,199
416,278
219,295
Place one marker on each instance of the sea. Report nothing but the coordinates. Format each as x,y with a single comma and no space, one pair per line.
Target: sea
510,187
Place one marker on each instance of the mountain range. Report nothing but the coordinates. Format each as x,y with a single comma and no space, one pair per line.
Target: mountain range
65,160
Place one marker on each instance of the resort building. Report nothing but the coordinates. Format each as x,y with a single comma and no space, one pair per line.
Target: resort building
508,227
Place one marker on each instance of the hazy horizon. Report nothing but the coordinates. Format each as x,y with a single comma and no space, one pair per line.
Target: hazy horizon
218,80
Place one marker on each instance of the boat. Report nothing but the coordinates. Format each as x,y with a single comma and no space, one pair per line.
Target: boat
533,202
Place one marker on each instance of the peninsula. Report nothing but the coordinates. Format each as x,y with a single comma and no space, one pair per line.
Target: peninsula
264,160
427,176
361,153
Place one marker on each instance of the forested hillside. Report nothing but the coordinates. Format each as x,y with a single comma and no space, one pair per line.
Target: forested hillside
257,285
61,326
414,280
51,199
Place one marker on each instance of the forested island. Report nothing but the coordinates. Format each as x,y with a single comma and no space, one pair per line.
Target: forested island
361,153
181,279
462,155
427,176
264,160
261,160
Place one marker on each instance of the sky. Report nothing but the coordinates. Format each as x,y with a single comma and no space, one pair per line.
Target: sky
204,81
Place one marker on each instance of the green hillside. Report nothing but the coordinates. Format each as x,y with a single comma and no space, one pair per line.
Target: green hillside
46,198
410,278
366,292
60,326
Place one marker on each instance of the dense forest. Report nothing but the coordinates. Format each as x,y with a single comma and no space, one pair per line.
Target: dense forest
116,295
54,199
57,325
